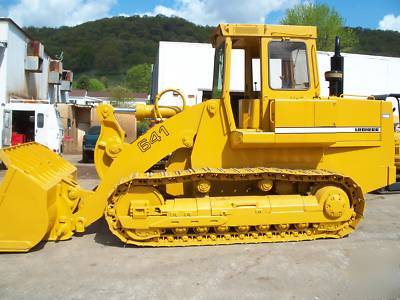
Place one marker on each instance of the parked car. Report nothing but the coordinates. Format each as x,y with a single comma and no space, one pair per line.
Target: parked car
89,143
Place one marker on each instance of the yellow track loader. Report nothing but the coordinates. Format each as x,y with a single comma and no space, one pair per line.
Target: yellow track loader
275,163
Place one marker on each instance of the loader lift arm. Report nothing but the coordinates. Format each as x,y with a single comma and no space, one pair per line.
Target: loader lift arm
111,139
139,156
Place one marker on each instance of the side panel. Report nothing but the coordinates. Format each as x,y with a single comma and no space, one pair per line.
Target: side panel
327,113
359,146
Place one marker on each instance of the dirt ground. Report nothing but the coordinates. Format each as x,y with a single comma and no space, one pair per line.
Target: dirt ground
365,265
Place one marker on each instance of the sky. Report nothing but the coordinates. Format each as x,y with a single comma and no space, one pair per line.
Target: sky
384,14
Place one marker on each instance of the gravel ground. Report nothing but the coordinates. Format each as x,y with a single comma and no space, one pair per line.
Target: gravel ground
365,265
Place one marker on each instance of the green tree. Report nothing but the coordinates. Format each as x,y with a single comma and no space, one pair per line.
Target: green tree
138,78
104,80
120,94
142,127
95,85
83,82
328,21
84,59
108,57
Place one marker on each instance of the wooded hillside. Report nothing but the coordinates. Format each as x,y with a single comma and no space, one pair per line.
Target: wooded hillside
111,46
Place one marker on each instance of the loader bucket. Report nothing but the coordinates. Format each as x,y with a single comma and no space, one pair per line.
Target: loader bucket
38,195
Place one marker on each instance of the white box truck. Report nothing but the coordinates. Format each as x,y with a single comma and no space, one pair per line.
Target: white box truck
27,122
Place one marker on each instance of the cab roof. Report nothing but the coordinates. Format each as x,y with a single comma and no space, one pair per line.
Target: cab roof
254,30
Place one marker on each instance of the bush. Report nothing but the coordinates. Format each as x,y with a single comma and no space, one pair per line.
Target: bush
83,83
142,127
138,78
95,85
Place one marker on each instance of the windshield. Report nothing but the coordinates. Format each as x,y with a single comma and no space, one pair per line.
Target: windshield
288,65
218,71
95,130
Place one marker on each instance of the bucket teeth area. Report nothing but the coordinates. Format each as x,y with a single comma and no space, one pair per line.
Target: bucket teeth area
38,196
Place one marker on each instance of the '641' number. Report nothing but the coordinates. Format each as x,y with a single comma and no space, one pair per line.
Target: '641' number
155,136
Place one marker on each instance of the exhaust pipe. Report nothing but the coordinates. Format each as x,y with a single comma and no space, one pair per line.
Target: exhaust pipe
335,75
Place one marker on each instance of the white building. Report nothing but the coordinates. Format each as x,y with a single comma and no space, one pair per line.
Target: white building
189,67
31,85
363,74
27,72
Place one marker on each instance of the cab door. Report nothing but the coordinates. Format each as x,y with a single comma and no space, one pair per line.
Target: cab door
40,127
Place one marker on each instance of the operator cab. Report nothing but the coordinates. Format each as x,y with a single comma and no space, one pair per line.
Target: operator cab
279,62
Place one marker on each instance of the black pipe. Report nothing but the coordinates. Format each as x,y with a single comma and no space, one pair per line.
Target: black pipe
335,75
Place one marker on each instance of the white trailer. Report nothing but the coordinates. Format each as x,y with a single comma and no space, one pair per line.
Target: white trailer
189,67
27,122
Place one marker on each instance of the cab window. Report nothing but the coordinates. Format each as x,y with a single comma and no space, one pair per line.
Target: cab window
218,71
40,120
288,67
